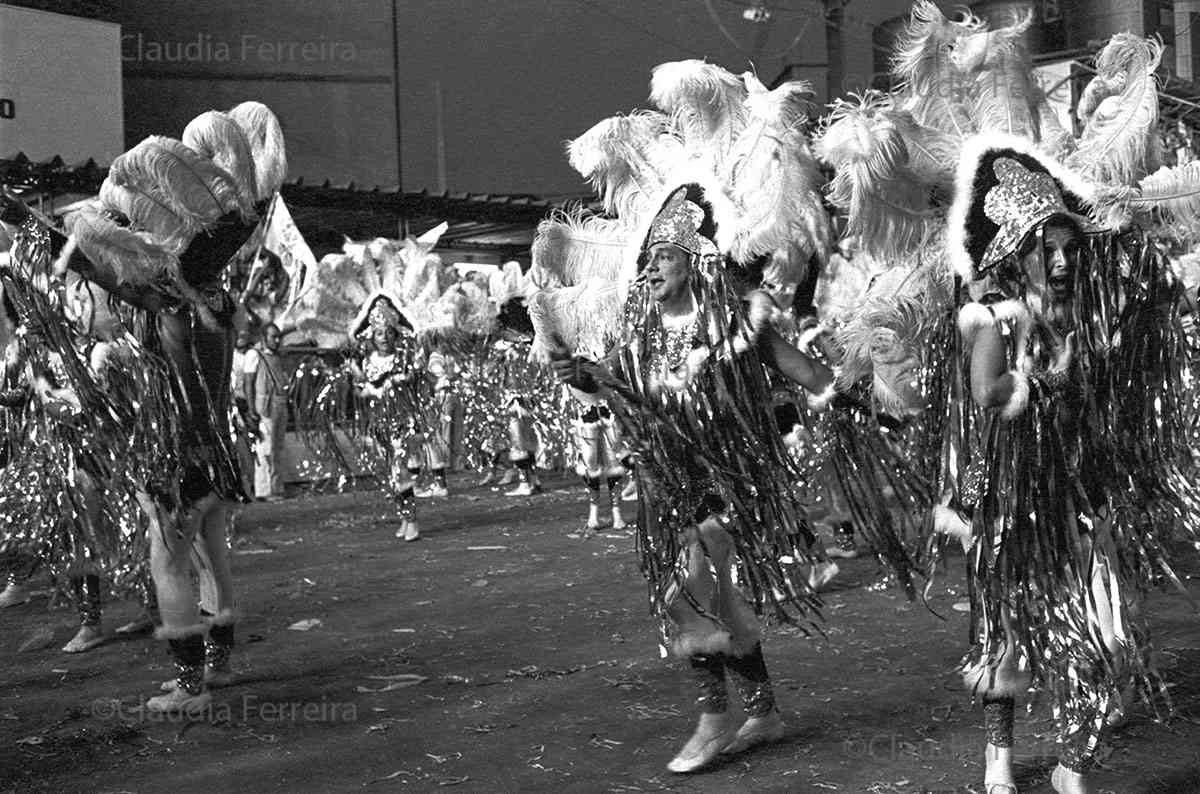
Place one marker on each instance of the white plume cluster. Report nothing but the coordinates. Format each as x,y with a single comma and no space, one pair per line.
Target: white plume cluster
745,144
163,192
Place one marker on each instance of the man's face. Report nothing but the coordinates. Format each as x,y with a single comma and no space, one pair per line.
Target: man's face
242,343
668,271
271,338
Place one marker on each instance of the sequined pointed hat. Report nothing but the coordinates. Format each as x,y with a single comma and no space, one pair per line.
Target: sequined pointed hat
1006,189
685,220
381,310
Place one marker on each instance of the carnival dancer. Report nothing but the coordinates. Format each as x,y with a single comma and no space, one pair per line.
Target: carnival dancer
1062,474
523,446
687,381
380,378
441,439
20,564
715,497
1064,478
600,456
159,239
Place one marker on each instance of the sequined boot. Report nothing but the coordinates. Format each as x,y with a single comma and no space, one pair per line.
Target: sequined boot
190,695
593,520
86,590
763,724
614,502
407,505
525,486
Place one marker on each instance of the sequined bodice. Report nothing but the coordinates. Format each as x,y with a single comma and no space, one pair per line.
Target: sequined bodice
379,366
670,343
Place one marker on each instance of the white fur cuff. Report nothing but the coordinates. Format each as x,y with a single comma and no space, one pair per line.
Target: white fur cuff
1019,400
819,402
809,336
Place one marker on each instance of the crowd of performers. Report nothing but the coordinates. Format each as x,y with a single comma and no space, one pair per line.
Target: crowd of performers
1000,368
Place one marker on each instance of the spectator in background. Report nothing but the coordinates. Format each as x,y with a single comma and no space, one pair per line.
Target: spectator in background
266,389
1184,153
244,431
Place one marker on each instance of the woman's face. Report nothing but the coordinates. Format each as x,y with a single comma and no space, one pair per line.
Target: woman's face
668,271
384,339
1057,261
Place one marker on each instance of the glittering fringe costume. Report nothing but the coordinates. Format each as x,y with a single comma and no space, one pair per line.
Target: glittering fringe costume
170,215
91,441
601,457
389,392
1065,495
1074,486
710,453
1073,498
690,393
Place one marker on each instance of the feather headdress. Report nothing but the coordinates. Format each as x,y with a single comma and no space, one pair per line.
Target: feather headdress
745,145
889,204
1119,144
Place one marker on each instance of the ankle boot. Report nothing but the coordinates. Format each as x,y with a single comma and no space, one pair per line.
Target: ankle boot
763,724
593,486
87,599
190,693
614,502
714,730
217,649
525,486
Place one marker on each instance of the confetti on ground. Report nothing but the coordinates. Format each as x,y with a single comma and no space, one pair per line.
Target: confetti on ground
305,625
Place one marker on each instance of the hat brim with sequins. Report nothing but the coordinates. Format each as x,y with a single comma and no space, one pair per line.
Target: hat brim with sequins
381,309
1005,188
685,219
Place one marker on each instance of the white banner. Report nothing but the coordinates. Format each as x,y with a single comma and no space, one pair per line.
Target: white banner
283,239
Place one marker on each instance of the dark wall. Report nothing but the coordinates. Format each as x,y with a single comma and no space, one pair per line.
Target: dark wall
517,77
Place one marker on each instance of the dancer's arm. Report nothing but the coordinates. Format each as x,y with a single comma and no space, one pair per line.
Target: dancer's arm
992,384
15,212
793,363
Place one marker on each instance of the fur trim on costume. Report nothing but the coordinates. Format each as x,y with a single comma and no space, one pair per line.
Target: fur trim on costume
819,402
728,623
1019,400
810,335
166,633
957,235
226,617
1006,678
951,523
975,316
